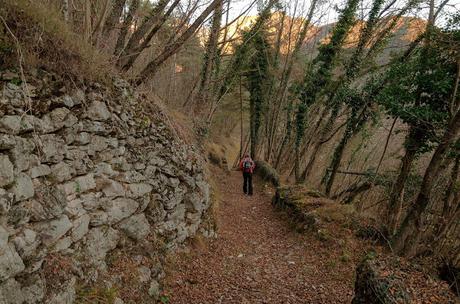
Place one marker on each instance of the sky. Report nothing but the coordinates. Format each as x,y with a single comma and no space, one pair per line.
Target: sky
327,11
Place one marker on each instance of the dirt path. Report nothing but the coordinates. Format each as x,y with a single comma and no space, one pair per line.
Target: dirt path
258,258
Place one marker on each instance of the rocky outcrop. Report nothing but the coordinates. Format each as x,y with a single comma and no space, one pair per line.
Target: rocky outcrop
86,173
382,278
301,203
373,285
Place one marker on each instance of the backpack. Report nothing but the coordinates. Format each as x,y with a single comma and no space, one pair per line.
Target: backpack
247,165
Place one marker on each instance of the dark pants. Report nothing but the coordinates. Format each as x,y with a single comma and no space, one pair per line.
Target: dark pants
247,183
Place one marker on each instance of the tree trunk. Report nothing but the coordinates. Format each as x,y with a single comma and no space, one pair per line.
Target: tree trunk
87,26
97,31
125,27
409,234
395,202
142,37
280,95
65,10
321,139
449,196
114,18
241,120
210,58
171,49
336,159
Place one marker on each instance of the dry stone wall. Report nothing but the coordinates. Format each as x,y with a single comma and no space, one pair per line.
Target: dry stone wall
83,173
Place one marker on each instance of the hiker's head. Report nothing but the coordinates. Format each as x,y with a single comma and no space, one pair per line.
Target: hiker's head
246,155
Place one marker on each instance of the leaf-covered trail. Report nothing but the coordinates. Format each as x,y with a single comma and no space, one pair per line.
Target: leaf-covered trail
257,258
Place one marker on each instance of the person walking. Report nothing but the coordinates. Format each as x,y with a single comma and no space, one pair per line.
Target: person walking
247,165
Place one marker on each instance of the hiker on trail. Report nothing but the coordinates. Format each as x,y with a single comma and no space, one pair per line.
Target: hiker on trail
247,165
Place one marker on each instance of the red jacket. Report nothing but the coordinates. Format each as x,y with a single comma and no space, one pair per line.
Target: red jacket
253,164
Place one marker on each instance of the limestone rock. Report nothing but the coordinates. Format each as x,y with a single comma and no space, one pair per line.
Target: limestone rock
98,218
83,138
154,290
119,209
34,291
23,187
10,124
52,147
10,292
91,201
80,227
98,143
26,243
196,201
68,101
98,111
139,189
144,274
54,230
62,244
136,227
55,120
39,171
6,201
49,203
104,169
21,154
6,171
67,296
80,184
118,301
78,97
4,234
10,262
99,241
7,142
75,208
62,172
112,188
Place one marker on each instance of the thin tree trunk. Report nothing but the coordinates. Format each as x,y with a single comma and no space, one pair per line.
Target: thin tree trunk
146,25
97,31
386,146
114,18
210,58
281,92
87,21
451,191
65,10
241,120
410,232
337,157
171,49
395,202
287,135
134,46
321,140
125,27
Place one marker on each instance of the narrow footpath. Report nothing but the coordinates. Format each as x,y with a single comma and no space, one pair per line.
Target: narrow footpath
257,258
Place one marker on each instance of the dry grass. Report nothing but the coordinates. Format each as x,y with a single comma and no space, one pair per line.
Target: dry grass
46,41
